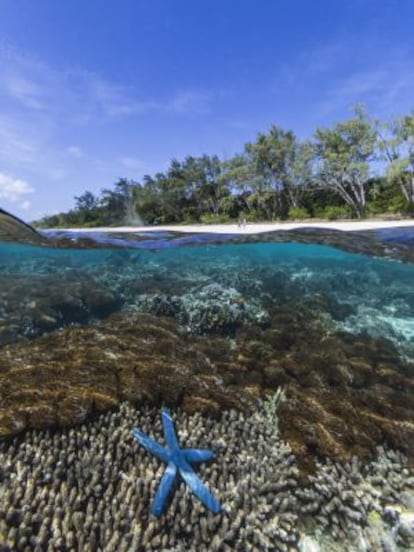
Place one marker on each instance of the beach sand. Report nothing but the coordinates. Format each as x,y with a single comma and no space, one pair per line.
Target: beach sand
255,228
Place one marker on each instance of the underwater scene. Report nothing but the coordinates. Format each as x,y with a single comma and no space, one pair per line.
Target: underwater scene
171,392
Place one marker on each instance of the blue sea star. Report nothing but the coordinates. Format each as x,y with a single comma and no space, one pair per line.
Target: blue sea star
179,459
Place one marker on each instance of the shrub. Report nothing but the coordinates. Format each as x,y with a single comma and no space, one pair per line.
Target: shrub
210,218
252,216
408,209
298,213
337,212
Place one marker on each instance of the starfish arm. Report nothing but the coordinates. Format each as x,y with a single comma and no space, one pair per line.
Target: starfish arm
200,491
169,431
164,489
198,455
151,446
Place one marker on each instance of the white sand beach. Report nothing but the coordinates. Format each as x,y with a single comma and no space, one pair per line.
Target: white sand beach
254,228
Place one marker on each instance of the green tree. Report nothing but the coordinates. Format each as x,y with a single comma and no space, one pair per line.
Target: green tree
272,156
244,181
148,200
344,153
85,208
397,146
280,168
211,186
118,205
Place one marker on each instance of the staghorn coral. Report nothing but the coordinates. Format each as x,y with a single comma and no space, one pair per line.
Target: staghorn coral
90,488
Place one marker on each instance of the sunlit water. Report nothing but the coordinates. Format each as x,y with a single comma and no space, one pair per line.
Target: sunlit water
360,294
224,295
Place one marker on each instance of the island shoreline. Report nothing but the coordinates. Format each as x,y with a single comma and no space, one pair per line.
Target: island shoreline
250,228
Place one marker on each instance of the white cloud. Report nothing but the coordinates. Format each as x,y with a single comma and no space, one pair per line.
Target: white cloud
386,90
73,95
79,96
25,205
24,91
16,144
114,100
350,69
131,163
74,151
189,101
12,189
42,106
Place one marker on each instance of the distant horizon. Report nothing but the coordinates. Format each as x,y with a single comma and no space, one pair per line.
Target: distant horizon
91,93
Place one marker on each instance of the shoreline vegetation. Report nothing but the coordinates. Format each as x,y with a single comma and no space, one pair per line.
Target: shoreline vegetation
356,169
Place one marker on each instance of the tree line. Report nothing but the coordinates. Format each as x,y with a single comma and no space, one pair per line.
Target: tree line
356,168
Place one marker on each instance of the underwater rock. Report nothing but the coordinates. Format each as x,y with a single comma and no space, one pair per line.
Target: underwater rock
12,229
50,302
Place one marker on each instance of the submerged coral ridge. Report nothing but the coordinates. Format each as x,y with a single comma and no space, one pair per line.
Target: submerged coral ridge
90,488
345,396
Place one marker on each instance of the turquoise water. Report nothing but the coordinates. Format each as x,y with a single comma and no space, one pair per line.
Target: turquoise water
207,329
361,294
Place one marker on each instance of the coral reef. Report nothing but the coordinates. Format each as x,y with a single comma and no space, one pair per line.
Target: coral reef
48,302
90,488
343,498
207,290
211,309
61,378
345,396
228,324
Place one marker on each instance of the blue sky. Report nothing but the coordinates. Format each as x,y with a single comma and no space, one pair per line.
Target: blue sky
95,90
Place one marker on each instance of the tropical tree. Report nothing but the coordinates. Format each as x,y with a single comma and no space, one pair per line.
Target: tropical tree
246,183
274,176
271,156
85,208
344,154
397,146
210,185
119,203
283,169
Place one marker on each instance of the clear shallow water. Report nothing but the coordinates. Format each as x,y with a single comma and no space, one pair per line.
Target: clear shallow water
205,327
354,292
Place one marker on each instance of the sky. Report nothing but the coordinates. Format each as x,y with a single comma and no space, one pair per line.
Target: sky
96,90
